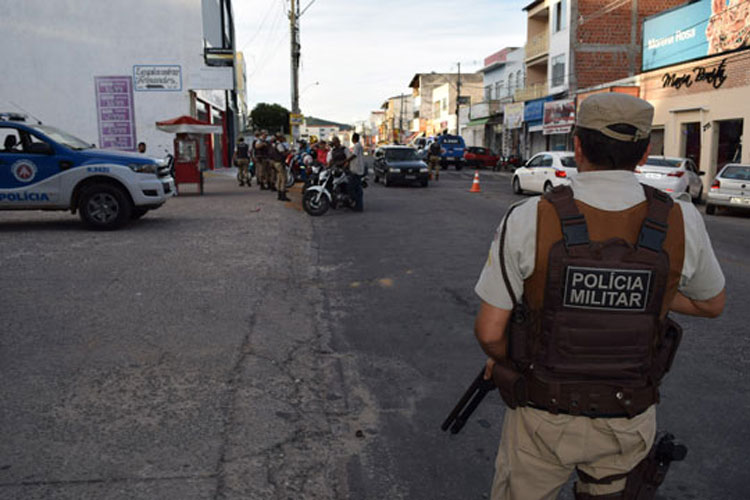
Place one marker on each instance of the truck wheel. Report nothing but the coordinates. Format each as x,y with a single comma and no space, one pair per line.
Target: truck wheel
105,207
710,209
138,212
459,166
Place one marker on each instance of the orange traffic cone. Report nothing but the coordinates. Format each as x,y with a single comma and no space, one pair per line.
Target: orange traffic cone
475,185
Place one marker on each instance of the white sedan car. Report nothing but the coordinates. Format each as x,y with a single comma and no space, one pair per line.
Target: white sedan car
544,171
673,175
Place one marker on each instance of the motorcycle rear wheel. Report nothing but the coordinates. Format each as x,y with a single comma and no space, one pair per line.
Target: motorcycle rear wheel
313,206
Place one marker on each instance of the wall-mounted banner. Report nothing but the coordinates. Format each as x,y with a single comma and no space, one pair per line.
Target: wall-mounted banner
695,30
513,115
157,77
114,109
559,116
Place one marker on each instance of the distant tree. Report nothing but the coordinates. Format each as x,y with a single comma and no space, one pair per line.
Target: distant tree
272,117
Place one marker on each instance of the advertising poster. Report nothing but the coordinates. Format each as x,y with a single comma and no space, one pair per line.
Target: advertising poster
559,116
513,115
696,30
114,109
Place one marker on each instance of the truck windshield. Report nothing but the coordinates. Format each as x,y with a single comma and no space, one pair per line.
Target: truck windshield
61,137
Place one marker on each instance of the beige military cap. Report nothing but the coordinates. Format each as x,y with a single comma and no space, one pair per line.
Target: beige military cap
599,111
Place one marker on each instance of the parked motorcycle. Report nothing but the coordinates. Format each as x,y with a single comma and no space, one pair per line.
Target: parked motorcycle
327,188
510,163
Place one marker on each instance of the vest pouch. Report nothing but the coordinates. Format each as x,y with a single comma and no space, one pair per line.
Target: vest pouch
596,346
511,383
667,350
519,348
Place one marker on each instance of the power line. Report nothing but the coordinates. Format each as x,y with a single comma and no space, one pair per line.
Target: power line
260,27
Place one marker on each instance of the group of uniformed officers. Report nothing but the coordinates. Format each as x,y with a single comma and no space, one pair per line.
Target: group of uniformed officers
268,156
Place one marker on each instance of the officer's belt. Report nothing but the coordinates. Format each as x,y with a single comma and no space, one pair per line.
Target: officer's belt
598,400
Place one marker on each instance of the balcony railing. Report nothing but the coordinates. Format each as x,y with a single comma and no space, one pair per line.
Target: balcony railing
534,91
537,46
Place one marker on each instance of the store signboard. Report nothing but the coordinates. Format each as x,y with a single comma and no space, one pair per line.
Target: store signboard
157,77
693,31
513,115
114,109
559,116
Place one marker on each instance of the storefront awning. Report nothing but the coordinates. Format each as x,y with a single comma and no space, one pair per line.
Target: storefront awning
188,125
478,122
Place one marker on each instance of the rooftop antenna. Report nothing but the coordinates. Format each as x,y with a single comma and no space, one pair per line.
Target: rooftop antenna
32,116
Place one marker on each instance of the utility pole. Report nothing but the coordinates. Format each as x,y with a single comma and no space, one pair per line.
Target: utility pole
295,46
458,98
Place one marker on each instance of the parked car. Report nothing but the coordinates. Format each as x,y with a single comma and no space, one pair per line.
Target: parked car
399,164
731,188
544,171
673,175
45,168
476,156
453,147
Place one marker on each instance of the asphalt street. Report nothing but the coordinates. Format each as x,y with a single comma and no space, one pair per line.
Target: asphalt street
229,346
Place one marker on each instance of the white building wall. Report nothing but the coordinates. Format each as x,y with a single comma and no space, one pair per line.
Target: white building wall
559,45
60,46
510,75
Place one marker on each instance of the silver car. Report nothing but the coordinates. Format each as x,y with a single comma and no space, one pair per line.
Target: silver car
673,175
731,188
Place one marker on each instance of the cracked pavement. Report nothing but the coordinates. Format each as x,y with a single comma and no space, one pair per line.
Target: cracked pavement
186,356
231,347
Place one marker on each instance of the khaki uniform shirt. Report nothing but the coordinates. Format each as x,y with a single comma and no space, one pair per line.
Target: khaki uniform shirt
701,279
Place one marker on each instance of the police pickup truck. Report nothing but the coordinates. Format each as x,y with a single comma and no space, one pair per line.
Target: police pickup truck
44,168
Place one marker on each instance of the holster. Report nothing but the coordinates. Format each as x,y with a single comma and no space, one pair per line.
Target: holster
671,338
645,478
511,384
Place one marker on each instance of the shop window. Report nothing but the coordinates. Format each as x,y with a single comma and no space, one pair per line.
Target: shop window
657,142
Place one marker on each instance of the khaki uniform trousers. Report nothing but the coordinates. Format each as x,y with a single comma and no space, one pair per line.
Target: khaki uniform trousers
264,177
435,165
280,171
242,164
538,452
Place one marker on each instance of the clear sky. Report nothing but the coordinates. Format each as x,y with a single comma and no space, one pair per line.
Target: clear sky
363,51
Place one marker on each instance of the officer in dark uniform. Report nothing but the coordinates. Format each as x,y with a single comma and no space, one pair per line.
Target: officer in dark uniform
242,161
261,152
583,278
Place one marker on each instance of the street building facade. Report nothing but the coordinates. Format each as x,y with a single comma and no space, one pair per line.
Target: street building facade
429,119
482,123
394,125
697,85
575,44
108,73
325,130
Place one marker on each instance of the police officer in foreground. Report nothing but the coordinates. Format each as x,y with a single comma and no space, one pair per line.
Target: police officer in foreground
583,278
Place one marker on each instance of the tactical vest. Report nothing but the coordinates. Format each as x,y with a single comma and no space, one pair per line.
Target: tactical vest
260,152
243,151
591,335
